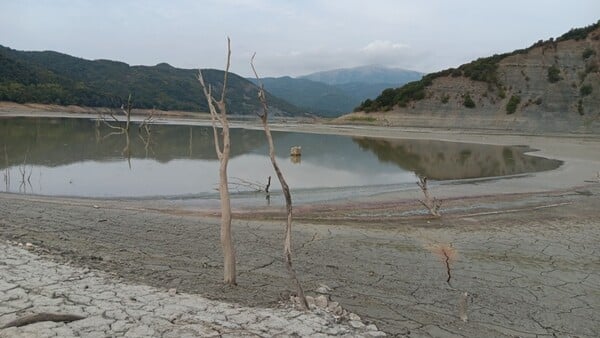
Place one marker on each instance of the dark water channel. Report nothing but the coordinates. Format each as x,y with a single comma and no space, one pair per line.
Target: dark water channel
80,157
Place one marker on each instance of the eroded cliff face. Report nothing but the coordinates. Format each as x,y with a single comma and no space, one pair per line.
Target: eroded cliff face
556,84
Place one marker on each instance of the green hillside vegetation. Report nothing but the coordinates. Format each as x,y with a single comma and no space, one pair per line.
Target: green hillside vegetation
54,78
335,92
316,97
482,69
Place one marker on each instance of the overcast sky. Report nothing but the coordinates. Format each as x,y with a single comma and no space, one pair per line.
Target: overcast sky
290,37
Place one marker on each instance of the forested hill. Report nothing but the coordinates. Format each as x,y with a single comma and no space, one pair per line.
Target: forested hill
55,78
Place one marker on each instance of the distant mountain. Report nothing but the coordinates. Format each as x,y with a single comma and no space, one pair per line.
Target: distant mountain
334,92
366,74
55,78
360,91
316,97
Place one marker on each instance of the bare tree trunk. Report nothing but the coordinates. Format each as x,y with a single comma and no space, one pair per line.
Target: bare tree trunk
432,204
226,238
218,114
287,246
127,112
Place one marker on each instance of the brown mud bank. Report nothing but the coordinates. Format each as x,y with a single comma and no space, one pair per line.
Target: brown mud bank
39,109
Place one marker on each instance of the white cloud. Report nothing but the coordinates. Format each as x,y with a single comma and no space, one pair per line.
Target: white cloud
383,46
291,37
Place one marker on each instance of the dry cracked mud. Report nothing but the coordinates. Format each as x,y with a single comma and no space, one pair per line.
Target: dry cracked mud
79,302
528,263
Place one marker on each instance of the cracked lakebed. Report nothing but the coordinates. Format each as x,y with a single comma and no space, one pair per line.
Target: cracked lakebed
525,250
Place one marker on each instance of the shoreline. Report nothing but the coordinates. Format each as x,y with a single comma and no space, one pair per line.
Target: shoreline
581,161
523,248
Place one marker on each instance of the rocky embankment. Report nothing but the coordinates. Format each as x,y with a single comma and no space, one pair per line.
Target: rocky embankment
553,86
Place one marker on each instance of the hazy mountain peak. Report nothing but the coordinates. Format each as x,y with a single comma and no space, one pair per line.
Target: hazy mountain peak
365,74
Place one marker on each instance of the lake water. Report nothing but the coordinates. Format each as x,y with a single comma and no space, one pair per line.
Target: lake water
80,157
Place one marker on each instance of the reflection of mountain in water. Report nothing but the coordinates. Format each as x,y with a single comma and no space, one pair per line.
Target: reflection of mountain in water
450,160
57,141
54,142
330,151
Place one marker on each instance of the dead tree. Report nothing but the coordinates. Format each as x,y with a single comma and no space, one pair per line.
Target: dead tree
432,204
119,130
218,114
126,109
287,246
145,128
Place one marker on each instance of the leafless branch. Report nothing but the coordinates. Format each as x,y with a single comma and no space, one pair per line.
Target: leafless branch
145,128
432,204
255,186
126,152
127,111
214,116
287,247
25,175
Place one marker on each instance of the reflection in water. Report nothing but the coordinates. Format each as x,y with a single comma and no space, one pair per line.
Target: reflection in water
451,160
72,157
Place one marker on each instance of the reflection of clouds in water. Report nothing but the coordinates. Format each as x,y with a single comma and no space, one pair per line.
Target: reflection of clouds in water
146,178
66,159
187,177
311,174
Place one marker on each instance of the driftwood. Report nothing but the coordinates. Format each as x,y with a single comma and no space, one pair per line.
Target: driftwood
287,247
43,317
235,182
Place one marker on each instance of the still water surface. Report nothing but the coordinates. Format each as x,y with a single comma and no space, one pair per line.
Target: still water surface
80,157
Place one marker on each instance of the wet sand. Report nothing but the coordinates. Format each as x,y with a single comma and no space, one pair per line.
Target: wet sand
523,248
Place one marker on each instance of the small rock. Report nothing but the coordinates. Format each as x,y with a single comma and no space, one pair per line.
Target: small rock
371,327
96,207
338,311
321,301
323,289
29,245
356,324
172,292
354,317
310,300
